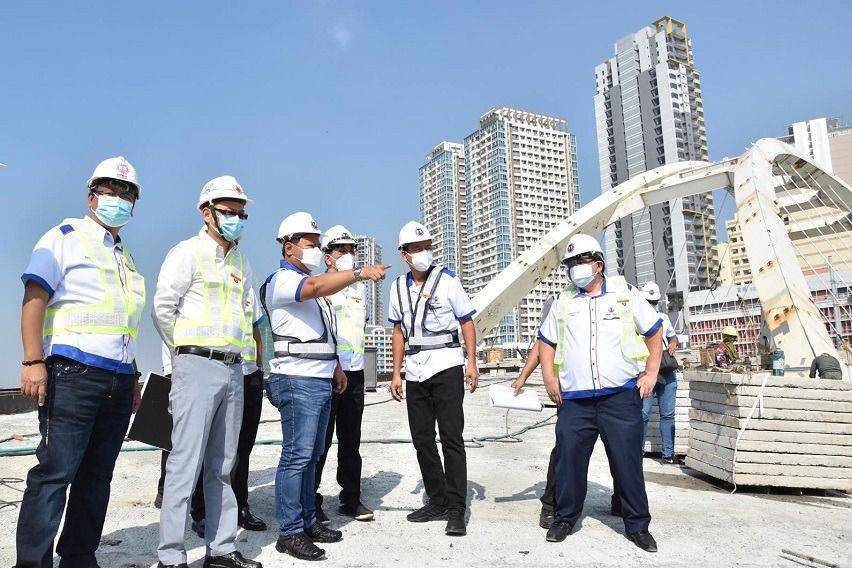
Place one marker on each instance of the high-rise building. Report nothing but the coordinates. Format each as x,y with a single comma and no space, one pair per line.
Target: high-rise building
820,235
521,182
367,252
379,337
443,203
648,112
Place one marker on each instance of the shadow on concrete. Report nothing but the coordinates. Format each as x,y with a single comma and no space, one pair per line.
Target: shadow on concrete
373,491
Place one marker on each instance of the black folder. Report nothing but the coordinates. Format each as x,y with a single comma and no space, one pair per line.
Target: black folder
152,424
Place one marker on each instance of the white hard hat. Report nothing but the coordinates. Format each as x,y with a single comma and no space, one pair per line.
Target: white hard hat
300,223
581,244
115,168
651,291
337,235
413,232
222,187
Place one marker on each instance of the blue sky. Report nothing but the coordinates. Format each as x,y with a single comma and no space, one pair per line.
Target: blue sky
330,107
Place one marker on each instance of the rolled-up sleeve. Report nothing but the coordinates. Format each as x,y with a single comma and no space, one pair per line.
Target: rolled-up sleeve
172,284
548,332
286,288
46,267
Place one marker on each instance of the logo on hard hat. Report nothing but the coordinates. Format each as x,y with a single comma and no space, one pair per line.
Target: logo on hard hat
237,188
570,248
418,231
122,169
314,225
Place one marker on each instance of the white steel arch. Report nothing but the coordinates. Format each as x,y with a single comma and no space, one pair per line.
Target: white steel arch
793,321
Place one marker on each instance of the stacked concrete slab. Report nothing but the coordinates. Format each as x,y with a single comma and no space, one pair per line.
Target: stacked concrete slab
801,438
653,440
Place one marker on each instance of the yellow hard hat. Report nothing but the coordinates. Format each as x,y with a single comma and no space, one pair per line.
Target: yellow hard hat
730,330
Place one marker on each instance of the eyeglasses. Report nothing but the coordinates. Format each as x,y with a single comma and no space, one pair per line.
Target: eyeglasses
116,188
231,213
582,259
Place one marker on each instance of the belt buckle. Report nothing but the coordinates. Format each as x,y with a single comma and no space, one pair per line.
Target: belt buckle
230,358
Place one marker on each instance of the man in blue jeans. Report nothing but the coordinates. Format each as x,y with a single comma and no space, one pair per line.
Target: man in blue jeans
666,388
79,320
303,365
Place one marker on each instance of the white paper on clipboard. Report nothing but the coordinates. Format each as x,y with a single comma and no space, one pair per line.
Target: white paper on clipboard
503,396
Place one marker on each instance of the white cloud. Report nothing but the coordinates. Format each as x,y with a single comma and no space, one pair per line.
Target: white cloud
342,35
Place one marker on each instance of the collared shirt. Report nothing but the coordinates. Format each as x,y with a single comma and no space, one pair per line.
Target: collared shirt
249,367
594,364
354,338
447,308
668,329
182,290
60,265
291,315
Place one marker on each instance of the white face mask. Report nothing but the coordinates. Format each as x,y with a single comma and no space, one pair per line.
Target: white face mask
421,260
345,262
582,274
311,258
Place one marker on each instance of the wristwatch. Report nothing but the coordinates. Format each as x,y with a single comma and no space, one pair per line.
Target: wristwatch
357,273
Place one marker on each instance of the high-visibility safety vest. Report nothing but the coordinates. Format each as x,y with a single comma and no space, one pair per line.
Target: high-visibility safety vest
632,344
122,291
351,315
417,336
322,348
223,319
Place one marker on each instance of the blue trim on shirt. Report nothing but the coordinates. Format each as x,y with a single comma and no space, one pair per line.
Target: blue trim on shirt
546,340
654,328
466,317
290,266
582,292
631,384
448,271
299,289
38,280
393,321
92,360
65,229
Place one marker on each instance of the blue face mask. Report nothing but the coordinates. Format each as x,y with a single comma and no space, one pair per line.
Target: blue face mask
113,211
230,227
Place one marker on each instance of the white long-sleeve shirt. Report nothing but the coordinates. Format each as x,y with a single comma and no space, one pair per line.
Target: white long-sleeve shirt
181,290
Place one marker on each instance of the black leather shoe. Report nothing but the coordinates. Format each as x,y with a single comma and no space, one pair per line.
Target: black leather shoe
161,565
546,517
558,531
299,546
359,512
250,522
615,506
321,517
232,560
198,527
644,540
455,523
428,513
158,501
318,532
671,460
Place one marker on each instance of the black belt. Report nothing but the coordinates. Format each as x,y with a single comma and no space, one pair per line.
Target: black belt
227,358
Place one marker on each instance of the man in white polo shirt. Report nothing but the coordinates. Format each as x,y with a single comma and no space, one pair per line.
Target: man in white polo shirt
79,320
303,365
427,306
598,334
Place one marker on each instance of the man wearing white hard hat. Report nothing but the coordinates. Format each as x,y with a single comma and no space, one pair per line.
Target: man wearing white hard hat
303,367
79,320
595,342
666,388
347,408
203,312
427,307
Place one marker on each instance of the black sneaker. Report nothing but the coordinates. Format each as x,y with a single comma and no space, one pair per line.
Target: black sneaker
318,532
546,517
359,512
321,517
644,540
158,501
671,460
161,565
299,546
558,531
232,560
455,523
428,513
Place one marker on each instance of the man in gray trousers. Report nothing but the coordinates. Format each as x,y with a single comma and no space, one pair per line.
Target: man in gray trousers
202,310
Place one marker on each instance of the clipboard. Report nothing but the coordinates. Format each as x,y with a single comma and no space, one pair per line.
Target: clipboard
152,423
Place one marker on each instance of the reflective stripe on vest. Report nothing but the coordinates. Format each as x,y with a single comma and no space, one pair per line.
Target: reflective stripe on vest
632,344
122,288
223,320
351,316
323,348
417,336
